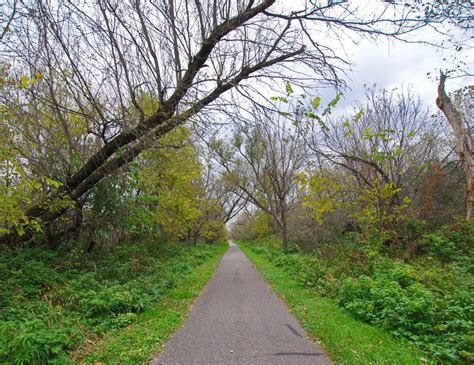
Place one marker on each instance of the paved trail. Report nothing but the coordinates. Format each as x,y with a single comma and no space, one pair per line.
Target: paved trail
238,320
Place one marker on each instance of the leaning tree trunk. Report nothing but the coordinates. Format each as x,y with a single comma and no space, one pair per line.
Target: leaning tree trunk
463,142
127,145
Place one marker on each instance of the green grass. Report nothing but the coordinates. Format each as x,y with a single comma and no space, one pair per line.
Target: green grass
136,343
114,305
345,340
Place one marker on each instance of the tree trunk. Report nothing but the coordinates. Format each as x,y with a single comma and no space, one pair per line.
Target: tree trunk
90,246
283,232
129,144
463,142
470,193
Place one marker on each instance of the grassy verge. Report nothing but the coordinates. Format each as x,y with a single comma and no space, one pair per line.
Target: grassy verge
345,340
114,305
135,344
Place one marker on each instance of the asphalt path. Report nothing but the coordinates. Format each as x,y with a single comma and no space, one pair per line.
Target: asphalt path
239,320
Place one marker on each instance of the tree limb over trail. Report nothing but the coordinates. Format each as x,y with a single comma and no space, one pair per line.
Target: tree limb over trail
101,62
462,135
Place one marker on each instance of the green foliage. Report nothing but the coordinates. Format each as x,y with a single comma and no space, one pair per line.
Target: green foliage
316,102
213,230
345,339
161,191
170,175
436,320
302,112
51,301
332,104
31,147
371,207
451,244
150,329
41,338
111,306
323,192
427,302
261,225
117,210
16,189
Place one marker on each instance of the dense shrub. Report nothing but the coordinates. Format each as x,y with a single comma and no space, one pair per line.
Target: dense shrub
38,334
437,321
428,301
451,244
50,301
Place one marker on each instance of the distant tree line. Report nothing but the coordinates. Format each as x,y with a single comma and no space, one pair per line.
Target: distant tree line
102,104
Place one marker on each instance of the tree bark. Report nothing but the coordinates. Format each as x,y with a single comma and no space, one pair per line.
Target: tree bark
470,193
283,231
463,142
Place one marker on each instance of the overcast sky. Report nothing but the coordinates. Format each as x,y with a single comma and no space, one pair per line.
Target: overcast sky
392,63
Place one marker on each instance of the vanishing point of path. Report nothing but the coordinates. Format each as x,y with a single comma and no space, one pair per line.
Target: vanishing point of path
238,320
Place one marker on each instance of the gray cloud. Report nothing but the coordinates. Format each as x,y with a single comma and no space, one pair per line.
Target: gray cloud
391,64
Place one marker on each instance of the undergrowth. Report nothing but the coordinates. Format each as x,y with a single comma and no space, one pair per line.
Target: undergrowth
51,302
428,300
